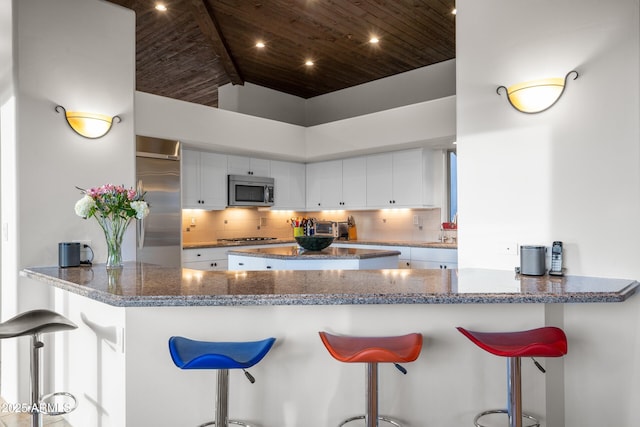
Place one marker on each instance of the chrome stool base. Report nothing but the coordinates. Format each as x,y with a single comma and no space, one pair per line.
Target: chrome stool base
380,418
504,411
222,403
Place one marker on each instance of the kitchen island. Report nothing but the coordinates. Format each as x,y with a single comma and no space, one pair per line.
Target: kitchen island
297,258
117,362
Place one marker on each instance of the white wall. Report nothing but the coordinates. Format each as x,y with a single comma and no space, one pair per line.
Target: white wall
8,298
263,102
214,129
571,173
429,123
412,87
79,54
6,59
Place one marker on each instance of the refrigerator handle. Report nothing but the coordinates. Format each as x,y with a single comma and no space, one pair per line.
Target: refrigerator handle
140,222
140,230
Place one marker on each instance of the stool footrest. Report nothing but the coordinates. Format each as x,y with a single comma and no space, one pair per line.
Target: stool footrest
380,418
504,411
44,404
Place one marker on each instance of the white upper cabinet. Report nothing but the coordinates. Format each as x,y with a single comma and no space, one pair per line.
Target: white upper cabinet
237,165
354,183
336,184
204,180
324,185
403,179
290,185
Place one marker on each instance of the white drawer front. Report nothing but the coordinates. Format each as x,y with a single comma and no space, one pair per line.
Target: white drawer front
434,254
211,265
191,255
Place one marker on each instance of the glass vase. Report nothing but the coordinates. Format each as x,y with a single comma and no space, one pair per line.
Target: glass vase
114,228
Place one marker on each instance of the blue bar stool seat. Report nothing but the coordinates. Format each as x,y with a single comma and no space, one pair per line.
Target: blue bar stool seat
221,356
36,323
541,342
371,351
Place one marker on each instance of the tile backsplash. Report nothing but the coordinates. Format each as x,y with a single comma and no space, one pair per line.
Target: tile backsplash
401,224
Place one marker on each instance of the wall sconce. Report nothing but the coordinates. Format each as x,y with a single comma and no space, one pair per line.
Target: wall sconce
89,125
538,95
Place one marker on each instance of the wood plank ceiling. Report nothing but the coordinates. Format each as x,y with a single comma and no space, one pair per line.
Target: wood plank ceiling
195,46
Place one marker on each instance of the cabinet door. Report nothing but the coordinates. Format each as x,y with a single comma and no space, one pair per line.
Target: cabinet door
314,196
354,183
240,165
331,186
290,185
297,185
246,263
191,179
324,185
379,180
407,179
213,180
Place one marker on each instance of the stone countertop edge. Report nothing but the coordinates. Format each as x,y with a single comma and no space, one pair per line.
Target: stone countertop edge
411,244
331,299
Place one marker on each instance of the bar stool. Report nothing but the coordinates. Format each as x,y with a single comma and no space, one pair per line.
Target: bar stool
542,342
373,350
222,356
35,323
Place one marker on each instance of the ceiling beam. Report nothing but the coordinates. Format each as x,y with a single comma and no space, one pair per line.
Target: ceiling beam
208,24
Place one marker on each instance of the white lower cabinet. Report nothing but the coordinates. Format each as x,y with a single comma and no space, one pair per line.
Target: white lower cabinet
249,263
418,258
434,258
215,259
208,259
403,259
211,259
252,263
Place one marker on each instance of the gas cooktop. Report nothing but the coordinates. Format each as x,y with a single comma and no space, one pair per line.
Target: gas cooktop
246,239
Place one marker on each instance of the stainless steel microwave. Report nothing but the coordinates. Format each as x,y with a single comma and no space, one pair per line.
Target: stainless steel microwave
245,190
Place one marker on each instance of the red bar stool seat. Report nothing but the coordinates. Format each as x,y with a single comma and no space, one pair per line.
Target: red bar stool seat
542,342
373,350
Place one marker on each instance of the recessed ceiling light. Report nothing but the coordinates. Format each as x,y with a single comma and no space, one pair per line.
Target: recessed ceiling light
374,40
161,7
308,63
260,44
454,11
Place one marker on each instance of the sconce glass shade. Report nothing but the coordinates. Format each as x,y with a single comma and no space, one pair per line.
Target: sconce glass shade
537,96
89,125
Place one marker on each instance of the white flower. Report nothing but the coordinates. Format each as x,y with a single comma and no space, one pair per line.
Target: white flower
84,206
141,208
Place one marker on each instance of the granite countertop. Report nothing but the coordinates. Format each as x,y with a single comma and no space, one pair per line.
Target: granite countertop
406,243
297,253
145,285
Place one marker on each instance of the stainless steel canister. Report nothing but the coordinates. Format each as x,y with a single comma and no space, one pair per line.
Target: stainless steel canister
532,260
68,254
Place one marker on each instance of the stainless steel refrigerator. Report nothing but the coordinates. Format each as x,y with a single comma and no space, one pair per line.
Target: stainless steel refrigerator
159,237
